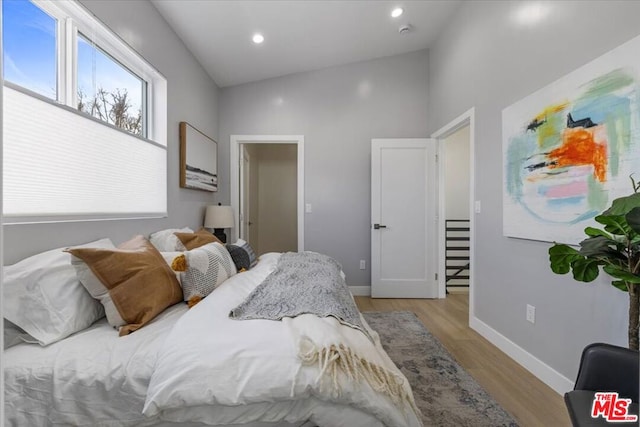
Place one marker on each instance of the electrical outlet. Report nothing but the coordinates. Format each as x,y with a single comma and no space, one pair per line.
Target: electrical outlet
363,264
531,313
307,208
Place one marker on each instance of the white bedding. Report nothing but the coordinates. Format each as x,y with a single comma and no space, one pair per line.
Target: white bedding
92,378
194,367
266,371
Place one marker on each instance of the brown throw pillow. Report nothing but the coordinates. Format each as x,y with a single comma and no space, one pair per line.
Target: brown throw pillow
133,282
195,240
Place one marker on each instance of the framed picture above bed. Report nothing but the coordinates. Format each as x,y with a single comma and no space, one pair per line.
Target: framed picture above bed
198,159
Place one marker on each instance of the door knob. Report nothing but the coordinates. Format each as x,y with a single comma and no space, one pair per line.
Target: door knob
378,226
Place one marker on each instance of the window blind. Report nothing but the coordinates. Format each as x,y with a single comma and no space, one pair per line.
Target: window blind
61,165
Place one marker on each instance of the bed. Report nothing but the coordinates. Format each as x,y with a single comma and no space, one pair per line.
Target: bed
198,366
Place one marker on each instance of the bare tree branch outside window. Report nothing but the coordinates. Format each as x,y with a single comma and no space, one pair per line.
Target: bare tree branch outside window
113,108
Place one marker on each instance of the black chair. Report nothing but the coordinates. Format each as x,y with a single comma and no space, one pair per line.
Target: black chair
603,367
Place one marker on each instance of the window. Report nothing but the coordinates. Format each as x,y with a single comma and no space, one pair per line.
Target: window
107,90
29,37
84,119
35,58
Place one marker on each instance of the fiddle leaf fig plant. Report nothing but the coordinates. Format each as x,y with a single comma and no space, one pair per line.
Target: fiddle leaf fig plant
615,248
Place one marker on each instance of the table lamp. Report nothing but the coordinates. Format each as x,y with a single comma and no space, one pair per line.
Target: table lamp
218,218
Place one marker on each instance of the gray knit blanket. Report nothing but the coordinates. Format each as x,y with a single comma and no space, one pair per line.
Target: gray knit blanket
302,283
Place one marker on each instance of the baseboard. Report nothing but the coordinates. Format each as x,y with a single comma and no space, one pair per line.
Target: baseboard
360,291
537,367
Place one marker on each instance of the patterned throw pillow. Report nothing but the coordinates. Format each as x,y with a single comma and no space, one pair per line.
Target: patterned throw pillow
243,255
202,270
168,258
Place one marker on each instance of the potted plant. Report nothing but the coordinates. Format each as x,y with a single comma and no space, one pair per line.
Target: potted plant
616,249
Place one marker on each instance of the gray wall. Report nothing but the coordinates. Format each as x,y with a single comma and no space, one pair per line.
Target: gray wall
192,97
338,110
485,60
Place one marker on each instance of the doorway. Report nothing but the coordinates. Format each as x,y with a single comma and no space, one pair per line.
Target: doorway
268,197
465,123
455,159
267,191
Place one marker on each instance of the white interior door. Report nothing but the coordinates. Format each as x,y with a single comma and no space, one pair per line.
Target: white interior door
403,218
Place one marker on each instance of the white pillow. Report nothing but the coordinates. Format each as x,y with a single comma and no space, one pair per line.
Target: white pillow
43,296
13,335
166,241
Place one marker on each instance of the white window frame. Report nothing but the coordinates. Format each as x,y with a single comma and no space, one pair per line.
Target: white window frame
72,18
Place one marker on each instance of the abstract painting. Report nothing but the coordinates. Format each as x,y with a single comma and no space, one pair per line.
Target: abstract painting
569,148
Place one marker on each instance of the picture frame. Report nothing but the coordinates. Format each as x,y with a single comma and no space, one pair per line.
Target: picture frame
198,159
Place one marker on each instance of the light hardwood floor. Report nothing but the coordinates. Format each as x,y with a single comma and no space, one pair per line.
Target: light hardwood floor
527,399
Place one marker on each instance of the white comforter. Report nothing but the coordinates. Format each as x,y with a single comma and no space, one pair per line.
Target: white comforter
92,378
196,367
204,363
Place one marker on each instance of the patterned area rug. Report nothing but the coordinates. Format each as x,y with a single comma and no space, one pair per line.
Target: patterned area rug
445,393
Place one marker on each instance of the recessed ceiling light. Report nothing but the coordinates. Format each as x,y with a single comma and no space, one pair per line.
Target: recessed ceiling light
258,38
397,12
532,12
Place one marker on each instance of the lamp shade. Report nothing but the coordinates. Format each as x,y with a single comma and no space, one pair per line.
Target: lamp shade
219,217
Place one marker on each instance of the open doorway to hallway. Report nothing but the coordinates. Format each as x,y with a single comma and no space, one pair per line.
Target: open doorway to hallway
267,181
268,197
455,149
465,120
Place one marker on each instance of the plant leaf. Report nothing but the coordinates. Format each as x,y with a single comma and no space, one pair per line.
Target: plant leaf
561,256
620,284
593,232
599,246
585,269
621,273
622,205
614,224
633,219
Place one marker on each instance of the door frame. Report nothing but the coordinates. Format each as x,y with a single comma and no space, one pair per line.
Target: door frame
245,205
465,119
234,174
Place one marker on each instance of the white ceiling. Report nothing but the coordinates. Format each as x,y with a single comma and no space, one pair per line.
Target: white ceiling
299,35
